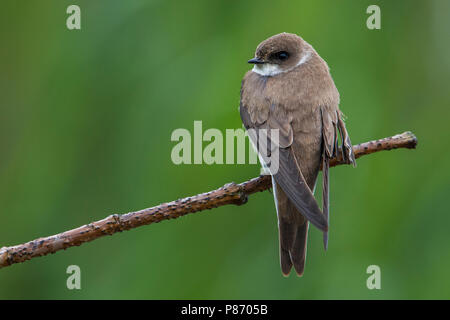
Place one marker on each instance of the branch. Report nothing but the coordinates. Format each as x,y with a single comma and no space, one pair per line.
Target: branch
229,194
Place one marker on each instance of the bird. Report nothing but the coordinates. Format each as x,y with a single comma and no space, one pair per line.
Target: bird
290,90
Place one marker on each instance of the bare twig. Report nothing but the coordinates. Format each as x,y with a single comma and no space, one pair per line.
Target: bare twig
229,194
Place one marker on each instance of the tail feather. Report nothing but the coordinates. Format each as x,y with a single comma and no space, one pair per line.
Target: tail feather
293,233
325,195
293,240
298,251
285,261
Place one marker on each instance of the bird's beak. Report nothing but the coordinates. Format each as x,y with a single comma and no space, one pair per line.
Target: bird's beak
256,61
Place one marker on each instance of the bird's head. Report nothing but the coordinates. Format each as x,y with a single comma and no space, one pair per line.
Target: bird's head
280,53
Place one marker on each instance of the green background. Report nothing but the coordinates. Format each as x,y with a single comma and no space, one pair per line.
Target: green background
85,123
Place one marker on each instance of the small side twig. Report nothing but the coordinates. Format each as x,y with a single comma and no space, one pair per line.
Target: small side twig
229,194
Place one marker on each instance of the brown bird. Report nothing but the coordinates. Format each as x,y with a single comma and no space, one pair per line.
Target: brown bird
290,89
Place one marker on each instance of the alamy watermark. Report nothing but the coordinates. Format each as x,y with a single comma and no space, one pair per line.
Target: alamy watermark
236,146
74,280
73,21
374,20
374,280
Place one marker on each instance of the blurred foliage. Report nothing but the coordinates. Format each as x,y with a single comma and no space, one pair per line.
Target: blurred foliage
85,123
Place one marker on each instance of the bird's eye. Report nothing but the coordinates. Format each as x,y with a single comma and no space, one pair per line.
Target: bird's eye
282,55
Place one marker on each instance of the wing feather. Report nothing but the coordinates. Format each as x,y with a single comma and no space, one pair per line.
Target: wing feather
289,175
332,122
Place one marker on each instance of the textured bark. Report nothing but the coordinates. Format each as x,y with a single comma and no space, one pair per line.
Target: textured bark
229,194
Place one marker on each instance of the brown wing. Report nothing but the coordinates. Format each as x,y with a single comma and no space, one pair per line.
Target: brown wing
331,123
288,176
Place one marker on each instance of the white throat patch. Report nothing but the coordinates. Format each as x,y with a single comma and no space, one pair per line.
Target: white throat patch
270,69
267,69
